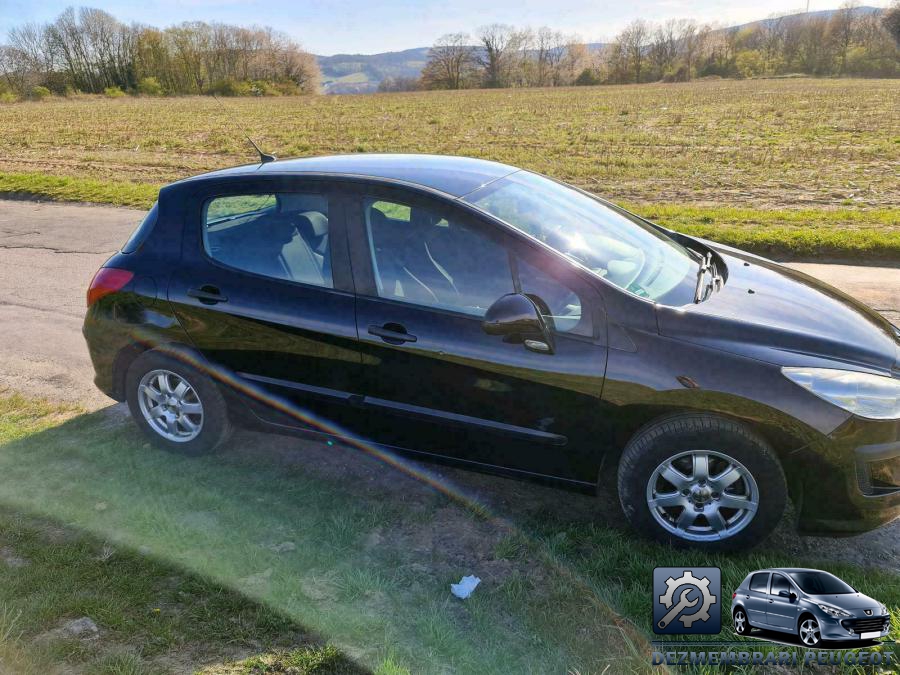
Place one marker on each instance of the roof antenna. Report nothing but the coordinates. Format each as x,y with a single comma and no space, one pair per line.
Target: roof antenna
264,157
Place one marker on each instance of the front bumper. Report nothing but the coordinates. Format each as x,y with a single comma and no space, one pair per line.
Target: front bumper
851,479
853,629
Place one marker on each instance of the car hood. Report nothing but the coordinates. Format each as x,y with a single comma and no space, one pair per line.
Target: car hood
849,602
777,314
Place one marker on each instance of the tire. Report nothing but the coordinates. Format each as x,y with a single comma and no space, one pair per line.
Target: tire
741,624
716,513
808,631
195,417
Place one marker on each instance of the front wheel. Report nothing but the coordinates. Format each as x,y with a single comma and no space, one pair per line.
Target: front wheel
809,632
701,480
179,408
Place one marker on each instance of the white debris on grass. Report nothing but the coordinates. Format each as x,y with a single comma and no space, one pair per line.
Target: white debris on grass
464,588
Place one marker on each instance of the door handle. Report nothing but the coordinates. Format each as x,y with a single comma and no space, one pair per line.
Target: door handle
208,295
392,333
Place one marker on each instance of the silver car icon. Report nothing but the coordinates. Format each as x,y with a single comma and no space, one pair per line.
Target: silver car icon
813,605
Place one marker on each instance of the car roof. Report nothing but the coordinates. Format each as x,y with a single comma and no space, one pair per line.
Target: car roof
455,176
788,570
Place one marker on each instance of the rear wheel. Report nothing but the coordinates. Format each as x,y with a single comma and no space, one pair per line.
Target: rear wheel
179,408
741,626
701,480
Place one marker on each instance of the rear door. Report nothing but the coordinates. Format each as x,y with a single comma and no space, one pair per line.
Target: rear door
264,290
757,599
426,271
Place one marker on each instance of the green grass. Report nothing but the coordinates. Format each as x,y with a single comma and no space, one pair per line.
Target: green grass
366,574
796,167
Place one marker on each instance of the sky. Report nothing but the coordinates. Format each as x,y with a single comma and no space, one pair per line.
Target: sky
370,26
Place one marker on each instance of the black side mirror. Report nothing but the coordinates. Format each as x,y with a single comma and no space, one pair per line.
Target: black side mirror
517,319
787,594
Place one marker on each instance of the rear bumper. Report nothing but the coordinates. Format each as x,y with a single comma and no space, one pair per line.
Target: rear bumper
853,484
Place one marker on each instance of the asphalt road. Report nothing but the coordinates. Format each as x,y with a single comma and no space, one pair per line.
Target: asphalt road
49,252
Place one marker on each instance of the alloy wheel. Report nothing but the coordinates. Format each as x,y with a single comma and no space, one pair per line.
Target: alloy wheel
740,622
702,495
170,405
809,632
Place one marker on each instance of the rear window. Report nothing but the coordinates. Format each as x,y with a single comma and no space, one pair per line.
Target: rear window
760,582
139,236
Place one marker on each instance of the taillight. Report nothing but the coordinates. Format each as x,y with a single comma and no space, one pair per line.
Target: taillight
107,280
734,595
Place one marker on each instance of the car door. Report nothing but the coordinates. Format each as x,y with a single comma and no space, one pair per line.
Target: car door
264,290
426,271
756,599
781,612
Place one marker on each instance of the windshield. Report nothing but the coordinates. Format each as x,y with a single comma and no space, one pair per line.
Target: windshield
625,251
820,583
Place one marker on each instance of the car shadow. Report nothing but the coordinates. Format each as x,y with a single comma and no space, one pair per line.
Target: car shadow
795,641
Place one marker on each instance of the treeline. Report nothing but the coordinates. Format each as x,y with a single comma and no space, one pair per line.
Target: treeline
88,50
851,41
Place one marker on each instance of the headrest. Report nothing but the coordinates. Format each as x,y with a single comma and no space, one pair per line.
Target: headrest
279,227
312,224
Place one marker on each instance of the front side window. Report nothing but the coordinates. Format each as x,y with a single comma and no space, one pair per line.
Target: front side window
281,236
779,583
562,308
623,250
428,256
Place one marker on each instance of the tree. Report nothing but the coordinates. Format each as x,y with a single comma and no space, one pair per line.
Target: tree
451,62
891,21
634,39
842,31
500,44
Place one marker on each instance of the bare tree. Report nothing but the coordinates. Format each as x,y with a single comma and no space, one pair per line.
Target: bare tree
891,20
634,39
842,31
451,62
500,44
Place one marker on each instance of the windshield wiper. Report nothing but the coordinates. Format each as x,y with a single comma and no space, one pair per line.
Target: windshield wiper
701,288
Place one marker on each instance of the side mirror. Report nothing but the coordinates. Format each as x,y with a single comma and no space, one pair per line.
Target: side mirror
787,594
517,319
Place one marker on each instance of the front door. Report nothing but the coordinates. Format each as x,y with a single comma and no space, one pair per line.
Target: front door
782,612
426,272
264,290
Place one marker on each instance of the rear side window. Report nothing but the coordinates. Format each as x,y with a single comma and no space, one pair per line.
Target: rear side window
760,582
280,236
139,236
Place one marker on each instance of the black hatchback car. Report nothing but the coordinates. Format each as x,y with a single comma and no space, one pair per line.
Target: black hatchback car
473,312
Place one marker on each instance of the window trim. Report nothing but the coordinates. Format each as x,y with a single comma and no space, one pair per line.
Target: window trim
515,243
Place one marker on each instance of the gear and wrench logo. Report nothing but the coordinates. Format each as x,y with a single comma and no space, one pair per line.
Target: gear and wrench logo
685,597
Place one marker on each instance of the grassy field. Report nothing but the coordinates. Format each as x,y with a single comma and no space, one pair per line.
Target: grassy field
285,557
803,168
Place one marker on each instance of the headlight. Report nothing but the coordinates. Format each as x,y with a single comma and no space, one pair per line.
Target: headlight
873,396
836,612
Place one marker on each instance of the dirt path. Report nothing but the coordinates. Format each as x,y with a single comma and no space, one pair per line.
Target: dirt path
48,253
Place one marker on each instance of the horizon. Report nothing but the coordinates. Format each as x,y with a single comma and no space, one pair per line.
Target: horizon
345,26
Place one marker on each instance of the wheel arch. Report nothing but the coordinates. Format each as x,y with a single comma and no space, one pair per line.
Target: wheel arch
782,437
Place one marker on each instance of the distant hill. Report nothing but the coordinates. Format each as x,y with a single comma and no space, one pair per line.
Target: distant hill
361,73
